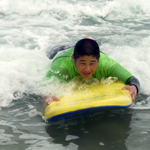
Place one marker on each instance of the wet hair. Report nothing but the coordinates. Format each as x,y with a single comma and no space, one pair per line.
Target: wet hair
86,47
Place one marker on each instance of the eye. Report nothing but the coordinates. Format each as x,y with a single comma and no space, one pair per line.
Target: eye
82,63
92,64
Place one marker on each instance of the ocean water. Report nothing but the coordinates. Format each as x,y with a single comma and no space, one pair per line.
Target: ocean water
28,29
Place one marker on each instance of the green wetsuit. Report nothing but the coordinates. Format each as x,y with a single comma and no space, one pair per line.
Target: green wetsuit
63,67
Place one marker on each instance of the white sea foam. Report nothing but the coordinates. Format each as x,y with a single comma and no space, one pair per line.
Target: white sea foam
20,70
6,139
46,145
71,137
33,137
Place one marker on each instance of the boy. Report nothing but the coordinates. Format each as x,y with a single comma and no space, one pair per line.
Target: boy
86,60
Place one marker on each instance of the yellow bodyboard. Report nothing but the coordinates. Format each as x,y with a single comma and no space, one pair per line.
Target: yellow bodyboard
91,99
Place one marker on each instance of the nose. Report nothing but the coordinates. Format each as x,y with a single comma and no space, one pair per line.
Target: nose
87,68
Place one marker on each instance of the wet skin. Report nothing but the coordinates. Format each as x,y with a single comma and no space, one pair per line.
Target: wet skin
86,65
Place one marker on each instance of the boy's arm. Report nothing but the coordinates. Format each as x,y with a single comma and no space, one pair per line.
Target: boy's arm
132,83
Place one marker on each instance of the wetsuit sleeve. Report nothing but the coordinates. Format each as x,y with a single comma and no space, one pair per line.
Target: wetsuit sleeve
120,72
134,81
125,76
107,67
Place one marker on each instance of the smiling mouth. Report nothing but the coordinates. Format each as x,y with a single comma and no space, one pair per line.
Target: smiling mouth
86,74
